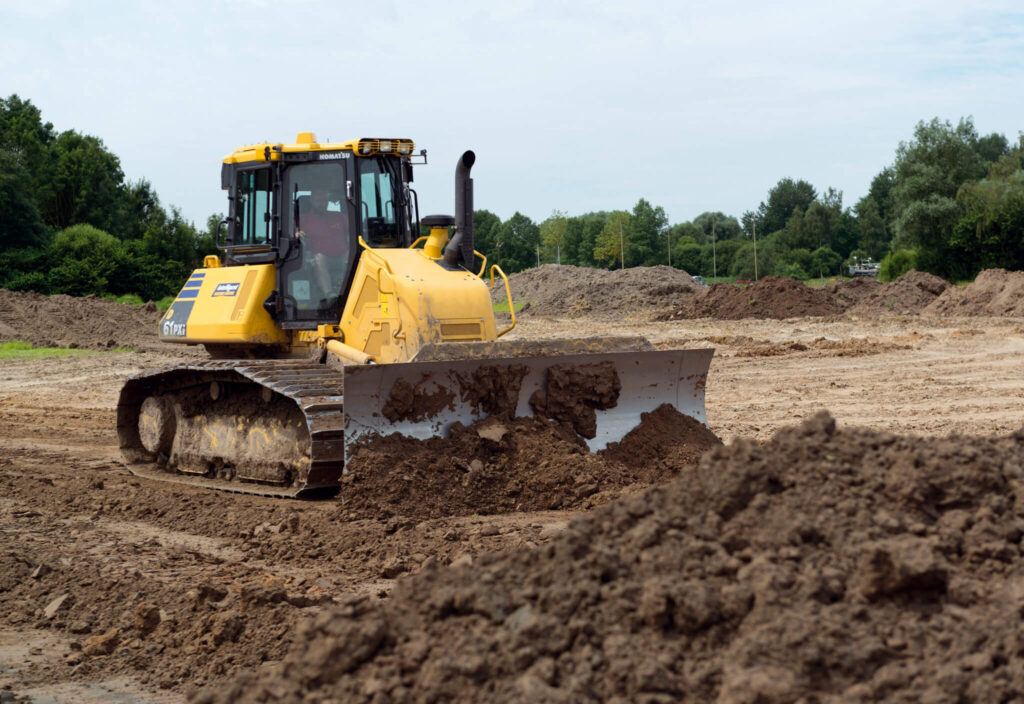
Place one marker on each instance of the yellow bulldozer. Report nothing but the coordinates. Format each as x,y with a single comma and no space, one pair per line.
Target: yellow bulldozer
329,320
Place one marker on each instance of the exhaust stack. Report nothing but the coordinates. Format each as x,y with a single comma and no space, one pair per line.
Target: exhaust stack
462,242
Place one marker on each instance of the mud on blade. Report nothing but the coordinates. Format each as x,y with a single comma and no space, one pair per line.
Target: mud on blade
601,394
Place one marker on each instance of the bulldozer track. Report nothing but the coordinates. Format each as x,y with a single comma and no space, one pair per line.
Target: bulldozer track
315,389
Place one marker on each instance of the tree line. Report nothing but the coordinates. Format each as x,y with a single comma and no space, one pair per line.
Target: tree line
951,203
70,222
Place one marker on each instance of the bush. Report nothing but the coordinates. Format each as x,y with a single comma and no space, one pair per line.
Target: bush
897,263
84,258
27,281
793,270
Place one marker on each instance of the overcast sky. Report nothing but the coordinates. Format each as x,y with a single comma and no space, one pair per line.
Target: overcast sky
568,105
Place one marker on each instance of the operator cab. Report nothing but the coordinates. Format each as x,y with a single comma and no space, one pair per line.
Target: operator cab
305,206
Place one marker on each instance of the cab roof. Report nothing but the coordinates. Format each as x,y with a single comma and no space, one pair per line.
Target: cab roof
306,142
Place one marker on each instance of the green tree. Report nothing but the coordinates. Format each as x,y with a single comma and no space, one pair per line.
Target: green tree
928,173
485,232
873,235
593,224
517,243
648,245
552,236
825,262
784,198
86,184
20,222
614,241
990,233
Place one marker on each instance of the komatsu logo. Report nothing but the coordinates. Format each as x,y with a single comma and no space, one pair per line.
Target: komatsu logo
175,322
225,289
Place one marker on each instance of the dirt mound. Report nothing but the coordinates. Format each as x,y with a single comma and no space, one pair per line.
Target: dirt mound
993,292
907,295
554,289
853,291
67,321
525,464
771,297
827,564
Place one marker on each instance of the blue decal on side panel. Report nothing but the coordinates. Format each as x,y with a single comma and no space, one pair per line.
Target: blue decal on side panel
193,283
188,293
198,274
175,320
226,289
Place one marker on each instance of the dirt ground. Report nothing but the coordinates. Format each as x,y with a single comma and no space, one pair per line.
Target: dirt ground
114,588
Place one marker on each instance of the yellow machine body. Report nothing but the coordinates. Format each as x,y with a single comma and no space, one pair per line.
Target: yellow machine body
223,305
399,301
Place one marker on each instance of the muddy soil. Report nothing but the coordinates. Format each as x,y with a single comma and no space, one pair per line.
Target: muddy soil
830,563
502,465
118,545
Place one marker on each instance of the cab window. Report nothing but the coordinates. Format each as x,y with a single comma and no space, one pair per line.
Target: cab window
253,199
379,205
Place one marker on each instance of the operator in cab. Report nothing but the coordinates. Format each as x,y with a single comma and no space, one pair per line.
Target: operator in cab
323,232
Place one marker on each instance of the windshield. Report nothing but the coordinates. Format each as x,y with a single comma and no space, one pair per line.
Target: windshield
322,252
380,205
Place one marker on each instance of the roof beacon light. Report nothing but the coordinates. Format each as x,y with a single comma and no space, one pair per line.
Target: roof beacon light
385,146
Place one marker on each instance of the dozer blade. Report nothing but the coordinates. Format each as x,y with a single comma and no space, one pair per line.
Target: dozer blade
601,394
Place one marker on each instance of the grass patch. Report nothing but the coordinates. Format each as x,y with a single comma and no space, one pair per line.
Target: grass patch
165,302
24,350
503,307
129,299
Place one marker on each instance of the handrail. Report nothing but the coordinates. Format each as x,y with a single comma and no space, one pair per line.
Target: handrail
369,249
508,293
482,266
397,334
418,240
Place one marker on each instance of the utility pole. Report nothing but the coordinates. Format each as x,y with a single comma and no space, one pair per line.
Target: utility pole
668,236
538,255
714,252
755,250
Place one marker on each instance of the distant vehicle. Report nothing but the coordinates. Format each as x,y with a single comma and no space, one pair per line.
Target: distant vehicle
744,281
864,267
700,280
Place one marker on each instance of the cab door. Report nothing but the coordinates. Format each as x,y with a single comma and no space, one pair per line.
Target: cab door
318,243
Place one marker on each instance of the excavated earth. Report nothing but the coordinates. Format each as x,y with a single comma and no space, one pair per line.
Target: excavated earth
876,561
87,323
828,564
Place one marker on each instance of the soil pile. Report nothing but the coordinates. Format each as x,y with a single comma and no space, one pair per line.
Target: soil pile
993,292
907,295
826,564
554,289
67,321
853,291
524,464
771,297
